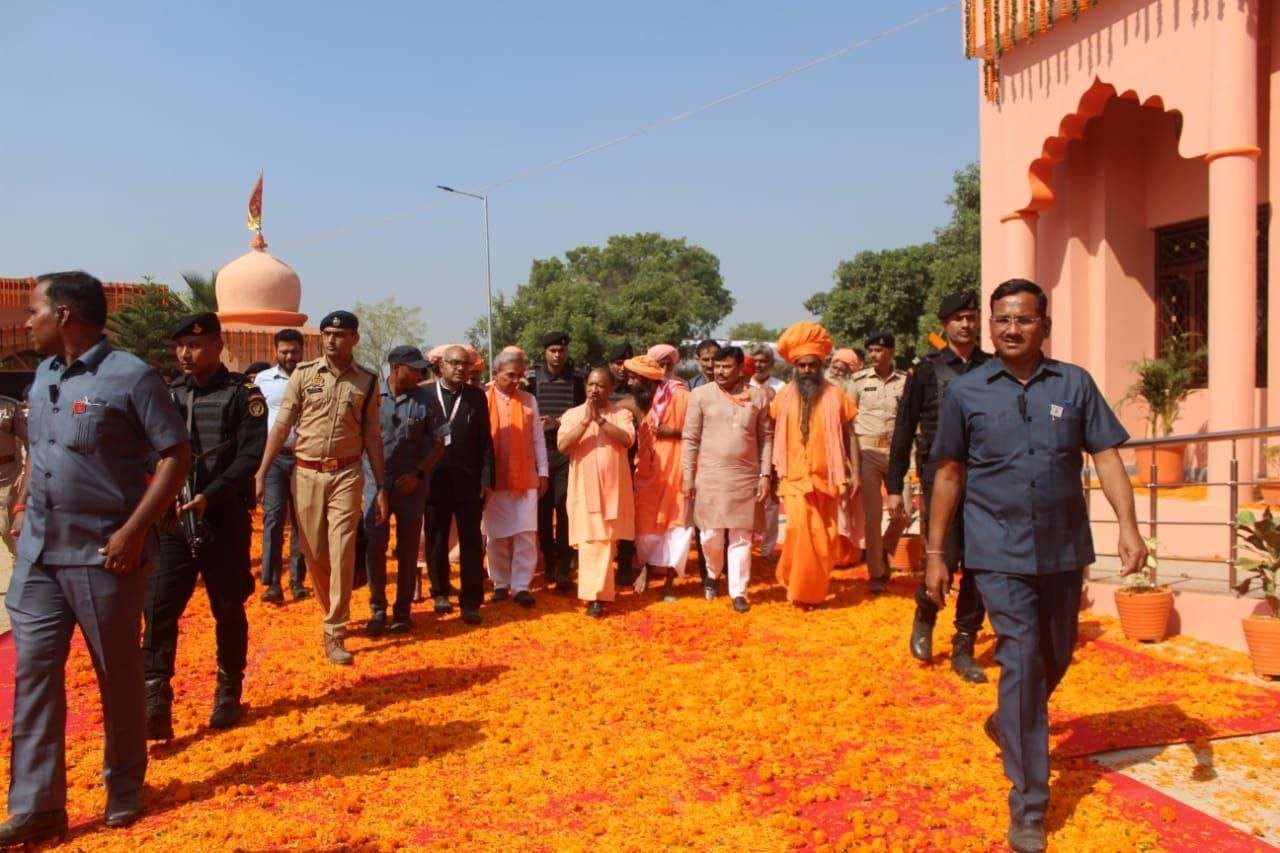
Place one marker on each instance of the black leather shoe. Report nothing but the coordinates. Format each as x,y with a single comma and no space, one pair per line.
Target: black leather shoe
501,594
565,587
400,625
962,662
595,609
159,709
442,605
227,712
32,827
123,811
471,617
524,598
741,604
300,592
922,641
273,596
1027,837
377,626
991,730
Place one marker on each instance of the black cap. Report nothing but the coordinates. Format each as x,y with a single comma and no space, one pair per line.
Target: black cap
204,323
621,352
880,339
412,356
961,300
552,339
340,320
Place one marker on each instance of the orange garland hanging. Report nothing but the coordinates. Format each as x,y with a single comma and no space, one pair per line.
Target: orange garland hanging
1004,24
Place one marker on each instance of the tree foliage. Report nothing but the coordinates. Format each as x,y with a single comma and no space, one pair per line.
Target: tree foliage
142,326
386,324
898,290
643,288
202,294
753,331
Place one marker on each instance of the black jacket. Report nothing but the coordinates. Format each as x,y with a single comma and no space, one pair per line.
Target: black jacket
467,465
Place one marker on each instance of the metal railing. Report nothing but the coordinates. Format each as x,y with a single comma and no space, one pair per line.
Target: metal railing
1233,485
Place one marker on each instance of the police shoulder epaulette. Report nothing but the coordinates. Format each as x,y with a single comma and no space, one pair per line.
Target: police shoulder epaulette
311,363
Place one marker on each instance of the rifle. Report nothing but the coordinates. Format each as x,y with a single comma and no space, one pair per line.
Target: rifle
194,529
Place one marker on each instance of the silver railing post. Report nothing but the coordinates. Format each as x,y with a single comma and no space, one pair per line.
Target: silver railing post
1233,507
1153,500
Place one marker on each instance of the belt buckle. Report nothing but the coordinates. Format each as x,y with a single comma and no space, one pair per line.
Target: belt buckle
329,464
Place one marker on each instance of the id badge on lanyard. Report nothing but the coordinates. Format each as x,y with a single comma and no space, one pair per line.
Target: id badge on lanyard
445,430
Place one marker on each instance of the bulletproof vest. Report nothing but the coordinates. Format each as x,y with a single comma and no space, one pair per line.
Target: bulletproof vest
944,373
210,426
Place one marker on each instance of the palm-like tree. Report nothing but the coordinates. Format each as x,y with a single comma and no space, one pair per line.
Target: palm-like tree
202,294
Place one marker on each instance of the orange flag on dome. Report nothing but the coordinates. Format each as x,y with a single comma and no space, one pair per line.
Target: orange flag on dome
255,206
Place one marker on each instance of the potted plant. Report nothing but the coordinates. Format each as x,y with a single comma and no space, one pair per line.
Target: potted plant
1261,632
1144,607
1163,383
1270,487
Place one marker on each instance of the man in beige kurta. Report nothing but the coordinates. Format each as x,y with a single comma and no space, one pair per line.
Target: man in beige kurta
595,436
728,442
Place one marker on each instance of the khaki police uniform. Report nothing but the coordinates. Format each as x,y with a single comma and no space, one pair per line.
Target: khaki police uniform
877,401
336,417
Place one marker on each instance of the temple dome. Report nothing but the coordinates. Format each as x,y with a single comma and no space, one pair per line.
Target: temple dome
259,288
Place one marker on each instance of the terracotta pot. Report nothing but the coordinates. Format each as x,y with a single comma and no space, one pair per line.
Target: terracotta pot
1144,615
1168,463
908,554
1270,491
1262,634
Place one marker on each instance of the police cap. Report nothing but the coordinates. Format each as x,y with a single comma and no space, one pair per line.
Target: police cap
961,300
553,339
880,339
204,323
621,352
340,320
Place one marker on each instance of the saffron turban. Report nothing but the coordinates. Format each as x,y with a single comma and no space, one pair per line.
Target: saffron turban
661,352
847,357
804,339
646,367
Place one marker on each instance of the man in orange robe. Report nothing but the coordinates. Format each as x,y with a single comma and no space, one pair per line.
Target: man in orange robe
816,456
595,436
663,532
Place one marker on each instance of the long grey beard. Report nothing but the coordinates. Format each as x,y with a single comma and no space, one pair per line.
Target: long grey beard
809,388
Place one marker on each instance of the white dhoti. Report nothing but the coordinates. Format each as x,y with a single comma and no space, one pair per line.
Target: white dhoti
739,556
510,526
669,548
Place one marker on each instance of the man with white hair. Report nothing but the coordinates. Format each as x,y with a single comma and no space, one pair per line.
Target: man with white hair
520,478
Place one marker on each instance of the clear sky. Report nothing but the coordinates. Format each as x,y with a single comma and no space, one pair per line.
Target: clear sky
133,132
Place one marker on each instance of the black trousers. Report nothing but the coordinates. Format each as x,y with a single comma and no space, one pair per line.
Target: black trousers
969,609
224,565
440,512
553,527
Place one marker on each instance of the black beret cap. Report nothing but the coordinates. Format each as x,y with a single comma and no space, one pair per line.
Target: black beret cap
340,320
256,368
204,323
880,339
961,300
551,339
621,352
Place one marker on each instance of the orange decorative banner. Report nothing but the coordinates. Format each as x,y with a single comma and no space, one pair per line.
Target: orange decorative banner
255,206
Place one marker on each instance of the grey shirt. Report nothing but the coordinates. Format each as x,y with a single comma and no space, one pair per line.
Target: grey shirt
93,427
1023,447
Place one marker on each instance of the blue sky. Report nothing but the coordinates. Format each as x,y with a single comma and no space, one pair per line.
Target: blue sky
133,133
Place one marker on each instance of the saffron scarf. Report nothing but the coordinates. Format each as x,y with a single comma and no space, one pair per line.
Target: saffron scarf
827,407
514,471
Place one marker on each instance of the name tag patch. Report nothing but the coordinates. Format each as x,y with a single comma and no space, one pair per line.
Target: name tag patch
314,389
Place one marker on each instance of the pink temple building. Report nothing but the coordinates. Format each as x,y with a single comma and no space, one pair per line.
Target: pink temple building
1126,167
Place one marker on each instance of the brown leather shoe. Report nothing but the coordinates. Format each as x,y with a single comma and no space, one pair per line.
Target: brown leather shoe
337,651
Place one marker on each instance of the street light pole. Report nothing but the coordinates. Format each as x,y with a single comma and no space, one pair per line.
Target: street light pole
488,264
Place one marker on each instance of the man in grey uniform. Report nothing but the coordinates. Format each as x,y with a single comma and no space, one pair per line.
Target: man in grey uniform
1012,435
98,417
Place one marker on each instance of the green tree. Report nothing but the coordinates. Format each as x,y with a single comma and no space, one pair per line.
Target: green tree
142,326
898,290
386,324
753,331
642,288
202,294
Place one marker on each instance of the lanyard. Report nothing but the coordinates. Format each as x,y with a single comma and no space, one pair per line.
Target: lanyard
456,401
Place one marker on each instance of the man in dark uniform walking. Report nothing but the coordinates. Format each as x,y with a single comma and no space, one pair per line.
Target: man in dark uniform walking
558,388
917,422
98,416
1012,436
226,415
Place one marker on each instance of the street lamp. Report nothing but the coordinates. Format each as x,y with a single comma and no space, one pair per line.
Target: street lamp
488,263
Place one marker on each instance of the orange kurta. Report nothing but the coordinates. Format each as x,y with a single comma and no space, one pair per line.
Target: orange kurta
660,472
810,502
600,503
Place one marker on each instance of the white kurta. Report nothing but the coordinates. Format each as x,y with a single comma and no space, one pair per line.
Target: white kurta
509,513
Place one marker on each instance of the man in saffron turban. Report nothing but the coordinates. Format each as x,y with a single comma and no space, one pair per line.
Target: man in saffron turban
816,456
